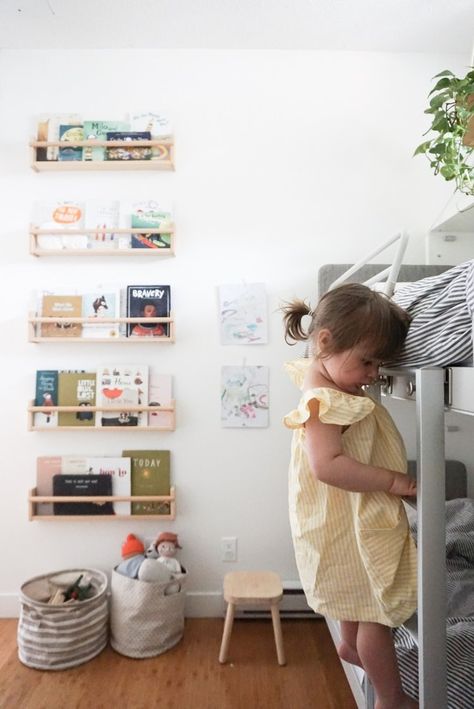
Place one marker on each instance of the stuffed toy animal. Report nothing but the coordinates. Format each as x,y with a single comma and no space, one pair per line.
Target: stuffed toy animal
132,557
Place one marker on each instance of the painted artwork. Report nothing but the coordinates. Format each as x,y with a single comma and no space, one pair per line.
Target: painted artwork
244,397
243,314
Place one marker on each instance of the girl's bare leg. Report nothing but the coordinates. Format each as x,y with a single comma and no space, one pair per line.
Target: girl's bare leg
377,653
347,648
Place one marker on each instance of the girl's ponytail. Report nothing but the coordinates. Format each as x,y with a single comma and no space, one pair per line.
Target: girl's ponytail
293,313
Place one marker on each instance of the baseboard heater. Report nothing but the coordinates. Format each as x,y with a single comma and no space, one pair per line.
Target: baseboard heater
293,605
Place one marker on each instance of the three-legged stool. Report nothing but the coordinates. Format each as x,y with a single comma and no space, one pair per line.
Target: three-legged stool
256,588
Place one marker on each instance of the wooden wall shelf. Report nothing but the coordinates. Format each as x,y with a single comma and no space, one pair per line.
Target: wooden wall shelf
35,320
34,499
37,250
32,410
164,162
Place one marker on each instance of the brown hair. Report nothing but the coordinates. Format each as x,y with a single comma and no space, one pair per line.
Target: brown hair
353,313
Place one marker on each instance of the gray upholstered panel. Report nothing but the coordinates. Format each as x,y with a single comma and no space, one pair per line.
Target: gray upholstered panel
329,272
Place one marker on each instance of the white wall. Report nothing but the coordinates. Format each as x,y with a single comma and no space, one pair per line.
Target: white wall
284,161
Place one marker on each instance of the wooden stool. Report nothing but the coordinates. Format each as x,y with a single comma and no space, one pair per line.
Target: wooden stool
256,588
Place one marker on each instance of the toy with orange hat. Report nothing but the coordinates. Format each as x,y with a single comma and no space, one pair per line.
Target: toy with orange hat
166,544
133,555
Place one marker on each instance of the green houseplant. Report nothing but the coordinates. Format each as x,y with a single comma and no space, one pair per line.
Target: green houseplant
450,149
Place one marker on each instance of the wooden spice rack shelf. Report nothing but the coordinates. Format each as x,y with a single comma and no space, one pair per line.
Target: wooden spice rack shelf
34,499
35,320
37,250
32,410
163,161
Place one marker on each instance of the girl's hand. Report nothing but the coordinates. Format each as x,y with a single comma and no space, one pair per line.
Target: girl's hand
402,485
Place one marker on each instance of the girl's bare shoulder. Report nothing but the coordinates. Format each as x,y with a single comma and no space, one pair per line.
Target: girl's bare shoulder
315,379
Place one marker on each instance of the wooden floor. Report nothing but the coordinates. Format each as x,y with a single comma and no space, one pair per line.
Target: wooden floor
189,676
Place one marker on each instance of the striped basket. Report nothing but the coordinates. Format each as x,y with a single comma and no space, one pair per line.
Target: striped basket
57,637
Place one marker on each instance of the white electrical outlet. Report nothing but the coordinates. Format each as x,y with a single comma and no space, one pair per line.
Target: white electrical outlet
229,549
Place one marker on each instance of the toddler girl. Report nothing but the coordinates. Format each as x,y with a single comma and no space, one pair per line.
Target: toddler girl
354,552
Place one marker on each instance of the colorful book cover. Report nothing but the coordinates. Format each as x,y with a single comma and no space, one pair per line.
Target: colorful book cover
73,133
158,125
99,305
46,394
82,485
55,120
77,389
243,314
122,386
59,216
159,394
124,152
47,467
97,130
101,215
119,470
61,307
149,215
149,301
150,476
244,397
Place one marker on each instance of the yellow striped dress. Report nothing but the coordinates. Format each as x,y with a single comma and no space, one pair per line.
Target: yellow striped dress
354,551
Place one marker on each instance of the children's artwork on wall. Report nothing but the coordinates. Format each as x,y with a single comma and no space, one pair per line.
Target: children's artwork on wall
244,397
243,314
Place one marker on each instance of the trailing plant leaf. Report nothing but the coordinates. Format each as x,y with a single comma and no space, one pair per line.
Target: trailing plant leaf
451,105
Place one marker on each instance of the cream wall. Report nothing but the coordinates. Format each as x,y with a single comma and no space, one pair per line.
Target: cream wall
284,161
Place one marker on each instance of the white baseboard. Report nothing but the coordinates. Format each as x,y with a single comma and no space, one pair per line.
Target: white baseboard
208,604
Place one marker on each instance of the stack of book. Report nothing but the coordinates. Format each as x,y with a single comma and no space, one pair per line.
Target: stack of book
71,127
111,386
77,225
96,314
141,473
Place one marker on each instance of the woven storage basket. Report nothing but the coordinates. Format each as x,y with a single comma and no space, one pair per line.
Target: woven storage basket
144,619
58,637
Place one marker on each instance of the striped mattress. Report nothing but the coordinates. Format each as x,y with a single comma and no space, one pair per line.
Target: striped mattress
441,308
460,622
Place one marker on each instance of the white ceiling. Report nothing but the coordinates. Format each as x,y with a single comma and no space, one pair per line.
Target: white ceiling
372,25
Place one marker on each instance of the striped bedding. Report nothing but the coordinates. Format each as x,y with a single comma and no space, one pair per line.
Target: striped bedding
460,623
442,310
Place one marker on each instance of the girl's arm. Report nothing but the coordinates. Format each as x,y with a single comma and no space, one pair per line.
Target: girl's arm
329,464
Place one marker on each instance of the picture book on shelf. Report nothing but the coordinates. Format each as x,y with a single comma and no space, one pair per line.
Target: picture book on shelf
150,471
101,217
134,152
46,394
148,215
97,130
119,471
73,133
99,305
59,216
61,307
149,301
49,466
159,394
55,120
158,125
82,485
77,389
122,386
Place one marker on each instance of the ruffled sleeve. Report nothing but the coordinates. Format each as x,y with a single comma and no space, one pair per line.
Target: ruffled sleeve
334,407
297,369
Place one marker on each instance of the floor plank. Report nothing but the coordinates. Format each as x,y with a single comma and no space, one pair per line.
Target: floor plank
189,676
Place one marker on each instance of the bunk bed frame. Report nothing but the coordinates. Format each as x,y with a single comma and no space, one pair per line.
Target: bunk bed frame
434,389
